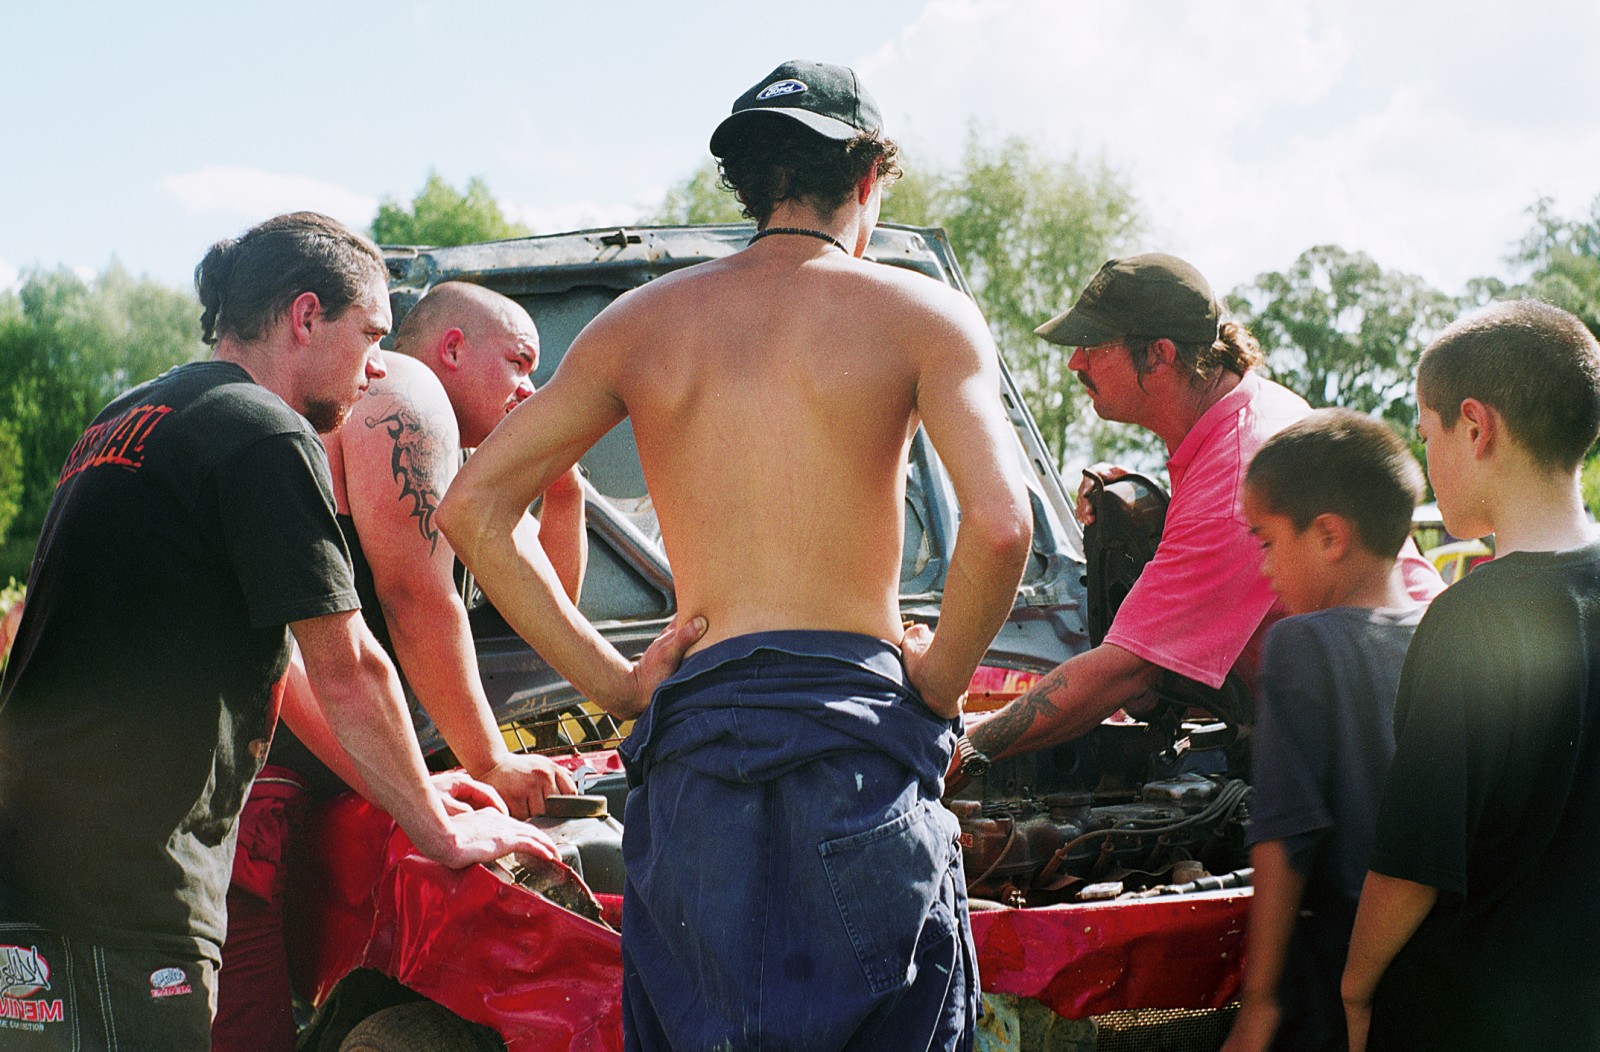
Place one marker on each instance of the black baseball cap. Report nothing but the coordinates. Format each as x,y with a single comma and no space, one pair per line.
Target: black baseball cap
1150,295
827,99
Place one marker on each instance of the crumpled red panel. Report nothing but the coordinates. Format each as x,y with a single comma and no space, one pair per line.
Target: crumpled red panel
1082,960
495,953
335,870
483,947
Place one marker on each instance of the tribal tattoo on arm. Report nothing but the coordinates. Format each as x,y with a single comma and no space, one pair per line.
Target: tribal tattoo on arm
995,736
418,462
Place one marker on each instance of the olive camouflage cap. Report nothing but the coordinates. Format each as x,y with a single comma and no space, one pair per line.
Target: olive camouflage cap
1150,295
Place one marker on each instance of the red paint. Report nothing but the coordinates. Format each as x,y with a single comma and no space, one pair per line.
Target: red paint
546,979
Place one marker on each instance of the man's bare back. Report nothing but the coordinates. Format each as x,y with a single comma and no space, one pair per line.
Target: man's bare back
774,430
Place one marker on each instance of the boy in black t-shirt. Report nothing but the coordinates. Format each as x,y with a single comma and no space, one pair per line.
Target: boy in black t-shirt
1330,499
1479,925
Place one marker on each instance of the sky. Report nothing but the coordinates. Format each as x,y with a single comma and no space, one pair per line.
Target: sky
1250,130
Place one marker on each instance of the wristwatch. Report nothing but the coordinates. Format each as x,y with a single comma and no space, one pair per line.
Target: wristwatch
974,764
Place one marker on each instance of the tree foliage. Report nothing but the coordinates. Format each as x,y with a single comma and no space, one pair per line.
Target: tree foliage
66,348
1564,258
10,475
1561,258
701,198
1342,331
440,215
1030,231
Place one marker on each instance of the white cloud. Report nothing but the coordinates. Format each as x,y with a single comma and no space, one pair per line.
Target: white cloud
580,215
254,194
10,277
1251,132
1162,78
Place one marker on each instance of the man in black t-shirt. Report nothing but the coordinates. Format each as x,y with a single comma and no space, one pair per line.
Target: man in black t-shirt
192,529
1479,922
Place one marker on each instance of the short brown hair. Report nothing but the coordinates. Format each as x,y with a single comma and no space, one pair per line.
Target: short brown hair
1345,463
1535,364
245,284
1234,350
781,161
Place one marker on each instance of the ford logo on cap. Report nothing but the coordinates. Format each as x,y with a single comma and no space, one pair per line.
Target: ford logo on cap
166,977
782,87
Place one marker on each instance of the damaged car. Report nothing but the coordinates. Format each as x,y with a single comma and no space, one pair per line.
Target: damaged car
1106,874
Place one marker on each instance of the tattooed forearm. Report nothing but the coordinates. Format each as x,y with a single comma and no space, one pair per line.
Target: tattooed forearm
995,736
417,462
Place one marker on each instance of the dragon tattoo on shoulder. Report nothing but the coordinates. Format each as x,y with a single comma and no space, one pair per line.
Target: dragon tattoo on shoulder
417,463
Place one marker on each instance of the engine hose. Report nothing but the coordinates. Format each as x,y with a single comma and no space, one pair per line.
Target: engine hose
1228,800
1011,838
1239,878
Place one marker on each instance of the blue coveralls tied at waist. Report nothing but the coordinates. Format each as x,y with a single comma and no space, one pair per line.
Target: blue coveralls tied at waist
792,880
853,694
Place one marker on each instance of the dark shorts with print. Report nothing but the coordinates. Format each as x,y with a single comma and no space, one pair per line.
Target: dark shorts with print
58,992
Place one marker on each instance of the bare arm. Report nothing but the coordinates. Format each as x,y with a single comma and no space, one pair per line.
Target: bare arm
303,713
958,398
1274,906
563,533
360,694
400,453
482,515
1390,912
1068,702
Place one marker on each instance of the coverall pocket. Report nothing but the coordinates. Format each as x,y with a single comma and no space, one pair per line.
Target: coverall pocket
888,885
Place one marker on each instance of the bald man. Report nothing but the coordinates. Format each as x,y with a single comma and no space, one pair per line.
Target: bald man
464,359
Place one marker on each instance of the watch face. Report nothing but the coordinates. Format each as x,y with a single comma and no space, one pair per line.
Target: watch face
973,762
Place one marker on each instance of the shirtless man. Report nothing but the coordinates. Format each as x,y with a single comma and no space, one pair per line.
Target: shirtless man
790,873
462,362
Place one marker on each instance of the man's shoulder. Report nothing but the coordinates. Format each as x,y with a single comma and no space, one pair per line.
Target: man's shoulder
1519,585
1337,632
1269,406
408,381
405,414
900,305
1299,636
221,398
866,278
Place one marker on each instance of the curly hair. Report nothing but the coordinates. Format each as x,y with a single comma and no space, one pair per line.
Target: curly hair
785,161
1235,351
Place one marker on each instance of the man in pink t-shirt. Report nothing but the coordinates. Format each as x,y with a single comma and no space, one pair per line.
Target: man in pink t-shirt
1153,350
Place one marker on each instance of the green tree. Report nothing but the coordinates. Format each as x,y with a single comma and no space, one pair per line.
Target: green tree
1031,230
66,348
10,476
701,198
1563,257
1342,331
441,215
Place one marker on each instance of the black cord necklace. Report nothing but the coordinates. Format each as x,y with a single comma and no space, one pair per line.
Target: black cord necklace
804,231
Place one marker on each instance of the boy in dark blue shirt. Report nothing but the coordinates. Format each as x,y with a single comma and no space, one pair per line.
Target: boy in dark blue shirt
1330,499
1479,925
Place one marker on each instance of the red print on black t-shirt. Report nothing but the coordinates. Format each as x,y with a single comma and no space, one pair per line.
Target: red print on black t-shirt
118,441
